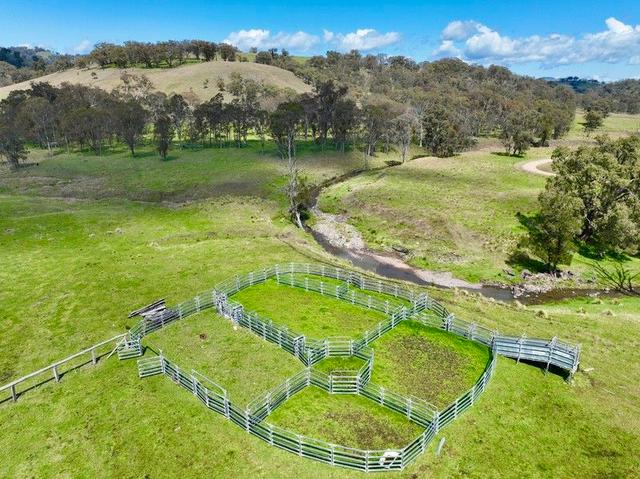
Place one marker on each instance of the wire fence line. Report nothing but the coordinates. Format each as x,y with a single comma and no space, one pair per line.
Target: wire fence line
403,305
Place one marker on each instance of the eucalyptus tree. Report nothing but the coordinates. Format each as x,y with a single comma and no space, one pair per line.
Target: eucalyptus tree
283,125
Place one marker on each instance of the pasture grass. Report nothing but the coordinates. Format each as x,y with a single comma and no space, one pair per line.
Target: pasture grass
428,363
186,175
309,313
454,214
347,363
72,268
344,419
236,359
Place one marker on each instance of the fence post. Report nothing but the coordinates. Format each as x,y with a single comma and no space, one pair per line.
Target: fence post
55,373
520,341
206,397
14,395
94,360
447,322
552,348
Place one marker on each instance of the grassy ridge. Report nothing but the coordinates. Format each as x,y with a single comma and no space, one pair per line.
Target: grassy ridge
199,79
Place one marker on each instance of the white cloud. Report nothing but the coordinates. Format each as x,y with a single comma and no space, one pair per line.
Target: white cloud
83,47
260,38
460,30
447,49
474,41
362,39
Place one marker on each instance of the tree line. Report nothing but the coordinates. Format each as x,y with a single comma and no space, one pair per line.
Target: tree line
331,116
159,54
593,203
462,101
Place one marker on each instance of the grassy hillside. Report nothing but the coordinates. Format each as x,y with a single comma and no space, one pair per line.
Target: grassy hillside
188,78
455,214
79,251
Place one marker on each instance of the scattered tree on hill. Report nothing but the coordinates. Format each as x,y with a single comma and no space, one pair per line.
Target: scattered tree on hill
444,133
40,119
227,52
553,230
344,123
12,135
594,200
163,133
178,110
518,129
403,129
592,121
605,178
376,123
283,124
130,121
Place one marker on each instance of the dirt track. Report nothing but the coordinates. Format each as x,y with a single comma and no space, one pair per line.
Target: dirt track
532,167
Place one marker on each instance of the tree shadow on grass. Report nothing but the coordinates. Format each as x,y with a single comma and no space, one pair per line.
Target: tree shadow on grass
508,155
593,253
520,257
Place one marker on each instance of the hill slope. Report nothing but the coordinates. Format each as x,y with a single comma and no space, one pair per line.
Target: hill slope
182,79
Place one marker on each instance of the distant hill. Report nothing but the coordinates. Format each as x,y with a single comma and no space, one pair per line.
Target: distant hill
26,57
199,79
579,85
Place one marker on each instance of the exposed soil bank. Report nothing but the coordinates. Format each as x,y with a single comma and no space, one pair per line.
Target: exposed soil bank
344,241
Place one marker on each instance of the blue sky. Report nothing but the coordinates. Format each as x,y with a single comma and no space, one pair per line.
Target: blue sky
544,38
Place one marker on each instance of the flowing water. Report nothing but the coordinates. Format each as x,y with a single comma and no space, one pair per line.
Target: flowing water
394,267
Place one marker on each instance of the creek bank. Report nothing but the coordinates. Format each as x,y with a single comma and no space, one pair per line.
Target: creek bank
343,240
